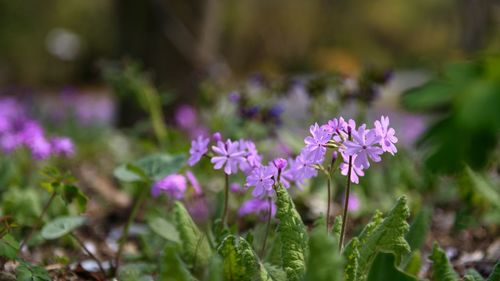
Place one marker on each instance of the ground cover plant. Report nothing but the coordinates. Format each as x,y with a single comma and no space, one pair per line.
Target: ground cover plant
276,179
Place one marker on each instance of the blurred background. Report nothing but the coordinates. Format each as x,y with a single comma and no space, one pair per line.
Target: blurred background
54,43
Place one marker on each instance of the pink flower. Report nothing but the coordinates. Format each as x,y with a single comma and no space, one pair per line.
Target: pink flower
252,157
194,182
315,144
229,156
262,179
387,135
198,148
356,171
62,146
186,117
173,185
363,146
257,206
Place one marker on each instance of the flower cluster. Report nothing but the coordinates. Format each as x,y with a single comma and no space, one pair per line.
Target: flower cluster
18,130
175,185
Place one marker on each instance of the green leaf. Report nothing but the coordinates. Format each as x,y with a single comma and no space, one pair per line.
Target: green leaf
385,235
495,275
165,229
432,95
28,272
275,272
442,270
152,167
215,269
473,275
62,226
172,267
9,247
71,193
414,263
293,236
384,268
351,255
484,188
196,251
136,272
417,233
240,261
325,262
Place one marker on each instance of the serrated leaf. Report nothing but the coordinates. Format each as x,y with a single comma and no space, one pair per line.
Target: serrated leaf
495,274
62,226
9,247
325,262
473,275
385,235
165,229
442,270
172,267
240,261
414,263
196,251
275,272
351,255
293,236
384,268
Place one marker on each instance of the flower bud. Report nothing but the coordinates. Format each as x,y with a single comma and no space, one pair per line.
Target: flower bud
280,163
217,137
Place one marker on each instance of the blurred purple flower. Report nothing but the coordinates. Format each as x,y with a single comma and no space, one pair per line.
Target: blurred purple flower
229,156
194,182
387,135
354,203
259,207
40,147
234,97
186,117
217,137
62,146
173,185
198,148
236,188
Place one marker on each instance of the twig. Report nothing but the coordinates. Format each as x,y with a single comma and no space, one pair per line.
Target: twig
101,268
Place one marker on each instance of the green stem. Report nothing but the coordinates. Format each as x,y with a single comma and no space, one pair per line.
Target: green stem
346,205
38,221
126,229
226,199
269,216
101,268
329,183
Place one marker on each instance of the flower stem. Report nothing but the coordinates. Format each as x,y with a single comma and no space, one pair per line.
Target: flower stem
126,229
101,268
226,199
346,205
329,182
38,221
269,215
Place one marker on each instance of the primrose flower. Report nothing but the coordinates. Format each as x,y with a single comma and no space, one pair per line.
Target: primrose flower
62,146
198,148
229,156
335,126
186,117
40,148
173,185
315,145
257,206
252,157
387,135
356,170
280,163
261,178
301,169
363,146
194,182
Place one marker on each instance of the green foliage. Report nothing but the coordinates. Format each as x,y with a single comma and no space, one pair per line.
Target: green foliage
28,272
215,269
196,251
62,226
442,270
172,267
325,262
417,234
473,275
23,205
64,185
495,275
9,247
293,236
382,235
164,229
150,168
384,268
136,272
351,255
275,272
467,94
240,261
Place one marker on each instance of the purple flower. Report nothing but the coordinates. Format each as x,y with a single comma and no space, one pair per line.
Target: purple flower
198,148
301,169
186,117
62,146
252,157
173,185
335,126
216,137
234,97
363,146
387,135
280,163
354,203
257,206
236,188
315,145
262,179
40,148
194,182
229,156
356,171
